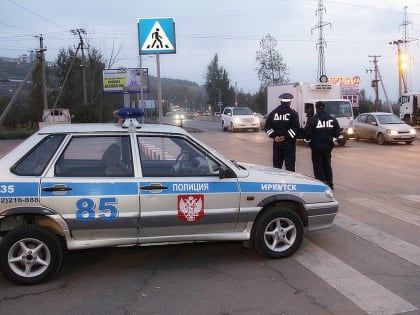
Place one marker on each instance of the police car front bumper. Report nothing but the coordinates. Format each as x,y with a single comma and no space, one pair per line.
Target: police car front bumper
321,215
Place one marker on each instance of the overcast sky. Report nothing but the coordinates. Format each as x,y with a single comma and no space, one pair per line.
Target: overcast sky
230,28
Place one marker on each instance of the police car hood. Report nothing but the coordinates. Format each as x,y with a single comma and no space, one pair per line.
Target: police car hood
261,172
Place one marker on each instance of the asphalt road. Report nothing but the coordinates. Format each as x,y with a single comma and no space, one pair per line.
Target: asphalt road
367,263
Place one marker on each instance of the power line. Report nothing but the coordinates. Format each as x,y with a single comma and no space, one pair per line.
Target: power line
35,13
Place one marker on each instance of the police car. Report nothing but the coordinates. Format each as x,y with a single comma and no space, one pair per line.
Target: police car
80,186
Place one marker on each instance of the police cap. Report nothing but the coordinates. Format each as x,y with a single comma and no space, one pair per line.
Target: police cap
319,105
286,97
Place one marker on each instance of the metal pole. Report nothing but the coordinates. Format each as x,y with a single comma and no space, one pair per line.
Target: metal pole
83,71
141,105
44,79
159,89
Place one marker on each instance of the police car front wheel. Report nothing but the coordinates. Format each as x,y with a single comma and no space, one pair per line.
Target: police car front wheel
30,254
278,233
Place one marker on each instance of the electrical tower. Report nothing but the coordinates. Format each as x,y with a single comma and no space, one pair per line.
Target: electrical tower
321,40
402,54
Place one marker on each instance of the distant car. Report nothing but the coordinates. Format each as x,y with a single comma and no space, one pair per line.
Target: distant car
239,118
81,186
383,128
263,120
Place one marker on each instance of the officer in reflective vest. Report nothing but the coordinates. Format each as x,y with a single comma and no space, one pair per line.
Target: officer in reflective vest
319,133
282,125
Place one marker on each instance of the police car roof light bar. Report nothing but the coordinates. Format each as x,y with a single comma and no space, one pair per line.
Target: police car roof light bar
130,115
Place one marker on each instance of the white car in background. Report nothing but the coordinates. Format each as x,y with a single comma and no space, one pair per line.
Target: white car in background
239,118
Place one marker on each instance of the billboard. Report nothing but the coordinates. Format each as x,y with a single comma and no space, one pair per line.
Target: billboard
123,81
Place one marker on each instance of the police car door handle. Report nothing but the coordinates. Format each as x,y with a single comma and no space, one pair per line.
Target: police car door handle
59,187
153,187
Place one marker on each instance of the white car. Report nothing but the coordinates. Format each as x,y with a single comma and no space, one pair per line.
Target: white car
239,118
79,186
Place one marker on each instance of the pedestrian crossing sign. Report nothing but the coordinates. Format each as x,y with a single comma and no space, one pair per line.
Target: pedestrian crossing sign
156,36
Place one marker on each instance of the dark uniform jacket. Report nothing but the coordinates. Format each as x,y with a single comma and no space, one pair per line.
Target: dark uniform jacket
321,129
283,121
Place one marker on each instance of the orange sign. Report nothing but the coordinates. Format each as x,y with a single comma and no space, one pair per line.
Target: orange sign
345,80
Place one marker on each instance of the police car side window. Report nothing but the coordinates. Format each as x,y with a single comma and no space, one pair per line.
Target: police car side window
96,156
173,156
35,161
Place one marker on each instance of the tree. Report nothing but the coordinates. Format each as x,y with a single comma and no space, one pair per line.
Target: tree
272,69
218,85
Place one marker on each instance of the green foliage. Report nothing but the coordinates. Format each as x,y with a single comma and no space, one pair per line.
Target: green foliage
85,114
218,85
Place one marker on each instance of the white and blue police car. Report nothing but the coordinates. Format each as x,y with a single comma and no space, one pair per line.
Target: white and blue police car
79,186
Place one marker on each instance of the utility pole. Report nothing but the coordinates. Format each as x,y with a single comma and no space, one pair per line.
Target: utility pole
321,41
41,52
374,83
80,31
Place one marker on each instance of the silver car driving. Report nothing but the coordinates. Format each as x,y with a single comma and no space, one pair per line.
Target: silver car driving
383,128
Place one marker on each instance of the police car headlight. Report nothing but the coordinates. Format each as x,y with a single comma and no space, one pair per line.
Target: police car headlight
329,193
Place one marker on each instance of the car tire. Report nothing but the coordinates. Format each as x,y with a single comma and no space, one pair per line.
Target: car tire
224,128
409,142
380,138
278,233
30,254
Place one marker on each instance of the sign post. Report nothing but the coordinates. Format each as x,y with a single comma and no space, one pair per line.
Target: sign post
157,36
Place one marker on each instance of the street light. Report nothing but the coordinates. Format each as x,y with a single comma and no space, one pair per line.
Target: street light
402,66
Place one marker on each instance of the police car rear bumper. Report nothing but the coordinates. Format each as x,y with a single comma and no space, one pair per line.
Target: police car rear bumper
321,215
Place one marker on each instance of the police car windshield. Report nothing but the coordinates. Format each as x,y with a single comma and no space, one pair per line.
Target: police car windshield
242,111
338,108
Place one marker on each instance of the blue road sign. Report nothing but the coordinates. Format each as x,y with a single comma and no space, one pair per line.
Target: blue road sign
156,36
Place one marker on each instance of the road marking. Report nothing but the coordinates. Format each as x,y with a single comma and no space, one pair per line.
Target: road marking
388,210
415,198
388,242
370,296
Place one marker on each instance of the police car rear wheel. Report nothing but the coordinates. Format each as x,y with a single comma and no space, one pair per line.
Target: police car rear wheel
30,254
278,233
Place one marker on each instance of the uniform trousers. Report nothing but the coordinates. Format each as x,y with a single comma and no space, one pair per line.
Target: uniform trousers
284,152
321,161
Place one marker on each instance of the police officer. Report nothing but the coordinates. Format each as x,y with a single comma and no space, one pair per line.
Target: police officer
319,132
282,125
